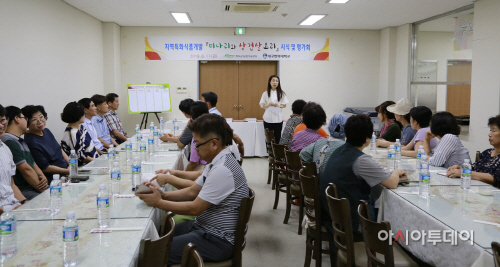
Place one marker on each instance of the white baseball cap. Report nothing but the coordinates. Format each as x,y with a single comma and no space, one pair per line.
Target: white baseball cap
402,107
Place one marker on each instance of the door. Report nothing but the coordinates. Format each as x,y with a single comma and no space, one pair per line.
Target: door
238,84
458,96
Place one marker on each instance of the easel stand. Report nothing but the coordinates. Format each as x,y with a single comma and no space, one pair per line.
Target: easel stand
145,116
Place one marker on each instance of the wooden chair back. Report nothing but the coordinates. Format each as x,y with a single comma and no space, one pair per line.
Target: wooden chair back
342,225
309,168
191,257
242,227
373,244
310,190
496,253
293,163
156,253
269,135
279,156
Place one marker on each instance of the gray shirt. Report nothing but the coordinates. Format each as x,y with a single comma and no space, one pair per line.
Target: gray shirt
368,169
186,136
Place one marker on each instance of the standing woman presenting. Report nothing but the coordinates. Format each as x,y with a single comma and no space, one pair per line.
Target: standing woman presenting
273,100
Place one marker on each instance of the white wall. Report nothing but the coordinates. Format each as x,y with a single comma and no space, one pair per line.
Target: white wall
387,80
50,54
350,78
403,52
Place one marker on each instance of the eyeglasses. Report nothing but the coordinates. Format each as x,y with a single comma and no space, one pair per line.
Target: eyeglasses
198,146
41,119
23,117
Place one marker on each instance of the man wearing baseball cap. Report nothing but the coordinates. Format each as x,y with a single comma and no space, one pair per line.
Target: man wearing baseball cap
401,111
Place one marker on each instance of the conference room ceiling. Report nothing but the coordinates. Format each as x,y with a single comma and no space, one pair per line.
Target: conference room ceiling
355,14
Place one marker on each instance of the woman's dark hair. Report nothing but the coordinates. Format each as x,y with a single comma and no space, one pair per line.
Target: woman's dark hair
407,117
198,108
444,123
382,108
210,97
357,129
185,105
313,116
493,121
422,115
213,125
279,92
298,106
98,99
72,112
85,102
111,97
29,110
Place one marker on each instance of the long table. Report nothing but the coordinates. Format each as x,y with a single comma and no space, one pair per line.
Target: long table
448,209
39,233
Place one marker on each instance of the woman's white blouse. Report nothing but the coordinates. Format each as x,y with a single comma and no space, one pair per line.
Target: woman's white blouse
269,116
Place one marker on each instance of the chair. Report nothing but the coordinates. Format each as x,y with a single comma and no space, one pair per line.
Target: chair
478,154
350,253
269,140
496,253
279,171
316,233
191,257
156,253
380,253
293,191
239,238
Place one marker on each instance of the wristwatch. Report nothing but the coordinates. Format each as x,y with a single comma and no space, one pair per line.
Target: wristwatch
23,201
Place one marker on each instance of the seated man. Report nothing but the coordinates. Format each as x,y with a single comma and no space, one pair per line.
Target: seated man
211,99
354,173
114,123
100,125
29,178
9,193
90,111
314,117
186,136
43,146
214,198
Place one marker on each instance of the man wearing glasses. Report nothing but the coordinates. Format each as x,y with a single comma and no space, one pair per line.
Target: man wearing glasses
28,178
9,193
214,198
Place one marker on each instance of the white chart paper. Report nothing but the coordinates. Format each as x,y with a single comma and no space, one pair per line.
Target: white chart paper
149,98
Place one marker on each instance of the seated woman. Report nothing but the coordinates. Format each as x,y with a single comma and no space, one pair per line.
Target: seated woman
391,130
76,136
294,120
449,151
314,117
44,147
419,120
487,168
401,112
321,150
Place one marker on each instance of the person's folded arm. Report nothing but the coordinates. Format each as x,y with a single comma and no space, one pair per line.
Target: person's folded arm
65,156
104,143
29,174
483,177
56,170
191,166
186,194
176,182
119,135
442,152
393,180
411,153
17,193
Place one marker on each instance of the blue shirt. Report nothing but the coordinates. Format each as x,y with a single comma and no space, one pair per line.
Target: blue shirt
214,111
46,151
407,135
101,128
89,125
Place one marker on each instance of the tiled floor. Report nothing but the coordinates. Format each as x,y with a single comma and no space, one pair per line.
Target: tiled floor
269,241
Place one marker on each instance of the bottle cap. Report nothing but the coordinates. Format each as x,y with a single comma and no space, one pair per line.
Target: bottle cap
392,146
467,160
115,164
102,187
110,146
72,151
421,146
397,140
136,158
70,214
161,118
423,157
56,177
7,208
129,139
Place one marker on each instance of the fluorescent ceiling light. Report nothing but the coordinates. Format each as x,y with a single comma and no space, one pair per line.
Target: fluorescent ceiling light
181,17
311,19
338,1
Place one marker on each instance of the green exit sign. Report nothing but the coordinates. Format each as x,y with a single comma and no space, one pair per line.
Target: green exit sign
239,31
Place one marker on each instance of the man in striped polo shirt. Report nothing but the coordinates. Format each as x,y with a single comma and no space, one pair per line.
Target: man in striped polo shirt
214,198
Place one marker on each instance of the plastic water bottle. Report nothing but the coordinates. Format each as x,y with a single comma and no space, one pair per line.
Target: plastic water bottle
397,147
115,179
391,158
151,144
420,153
373,144
162,123
103,217
136,173
70,239
155,136
128,149
111,156
139,136
73,164
137,129
176,127
143,150
466,175
151,128
424,189
55,195
8,226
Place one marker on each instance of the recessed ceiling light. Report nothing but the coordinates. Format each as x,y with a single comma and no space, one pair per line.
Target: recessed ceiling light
181,17
337,1
311,19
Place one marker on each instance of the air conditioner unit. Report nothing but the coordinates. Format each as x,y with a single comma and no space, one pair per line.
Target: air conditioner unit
250,7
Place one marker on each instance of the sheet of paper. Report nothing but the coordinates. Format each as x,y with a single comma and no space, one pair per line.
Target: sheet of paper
275,110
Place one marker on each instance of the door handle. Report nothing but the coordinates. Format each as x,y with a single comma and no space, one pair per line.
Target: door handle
235,106
241,106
